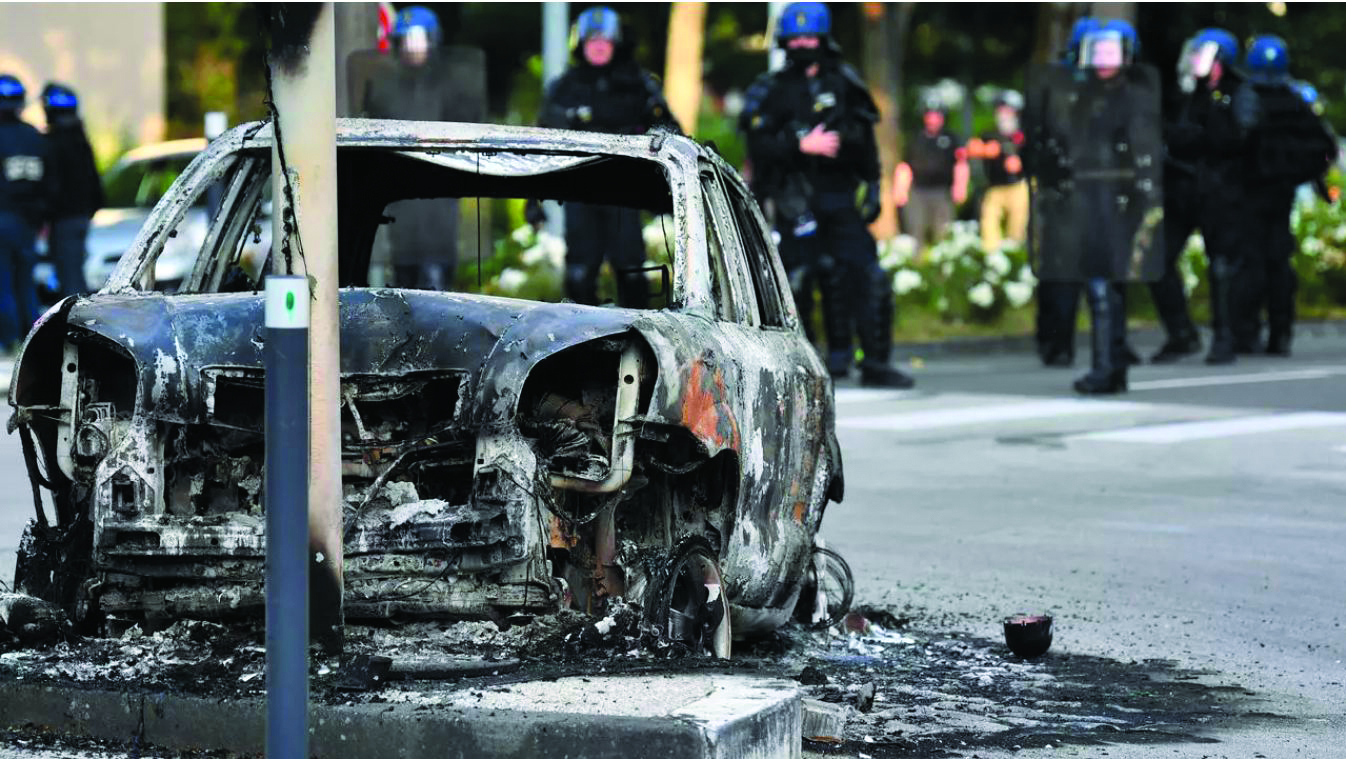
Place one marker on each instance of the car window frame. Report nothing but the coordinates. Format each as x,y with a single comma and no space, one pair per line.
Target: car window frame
242,198
762,271
167,216
719,219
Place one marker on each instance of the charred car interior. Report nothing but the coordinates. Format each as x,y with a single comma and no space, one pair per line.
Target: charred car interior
501,458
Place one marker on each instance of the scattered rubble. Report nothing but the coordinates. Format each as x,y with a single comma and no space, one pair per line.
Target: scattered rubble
913,692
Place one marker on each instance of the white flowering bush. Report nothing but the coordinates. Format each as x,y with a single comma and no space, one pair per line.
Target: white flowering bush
956,278
1320,228
530,264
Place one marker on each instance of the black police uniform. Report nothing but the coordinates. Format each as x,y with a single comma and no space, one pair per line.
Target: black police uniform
1181,216
449,85
1057,301
25,191
79,194
1289,145
824,237
1222,186
618,98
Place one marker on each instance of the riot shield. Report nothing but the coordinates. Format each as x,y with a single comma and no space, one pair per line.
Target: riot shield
449,86
1096,174
421,243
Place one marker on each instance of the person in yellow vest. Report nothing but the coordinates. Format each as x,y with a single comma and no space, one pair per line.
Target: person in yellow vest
1004,209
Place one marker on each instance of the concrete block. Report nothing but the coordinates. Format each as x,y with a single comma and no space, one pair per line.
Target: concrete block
659,716
821,721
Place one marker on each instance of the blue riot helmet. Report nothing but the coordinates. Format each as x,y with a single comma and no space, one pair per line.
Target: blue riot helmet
417,33
599,21
1202,52
417,16
12,93
58,97
1109,47
1082,27
801,19
1309,93
1267,60
60,104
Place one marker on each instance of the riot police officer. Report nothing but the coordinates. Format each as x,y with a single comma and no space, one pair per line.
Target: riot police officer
604,90
1097,178
810,130
25,191
424,81
1289,145
1183,145
1221,184
79,191
1057,302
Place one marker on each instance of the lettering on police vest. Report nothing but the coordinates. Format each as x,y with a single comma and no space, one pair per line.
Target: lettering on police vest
21,168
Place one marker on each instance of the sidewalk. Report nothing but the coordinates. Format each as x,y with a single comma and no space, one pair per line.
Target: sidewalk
657,716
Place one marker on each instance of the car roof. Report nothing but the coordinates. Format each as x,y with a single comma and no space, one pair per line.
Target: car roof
188,147
393,133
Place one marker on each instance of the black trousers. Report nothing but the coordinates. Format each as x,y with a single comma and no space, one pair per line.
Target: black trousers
598,233
1058,304
841,258
1267,279
1181,219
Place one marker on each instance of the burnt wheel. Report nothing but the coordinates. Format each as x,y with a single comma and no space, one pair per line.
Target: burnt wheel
828,592
684,598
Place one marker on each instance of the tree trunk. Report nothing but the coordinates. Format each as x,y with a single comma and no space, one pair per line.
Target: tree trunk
1054,22
682,69
885,32
1124,11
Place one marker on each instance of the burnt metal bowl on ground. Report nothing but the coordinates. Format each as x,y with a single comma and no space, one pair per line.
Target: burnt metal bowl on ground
1028,636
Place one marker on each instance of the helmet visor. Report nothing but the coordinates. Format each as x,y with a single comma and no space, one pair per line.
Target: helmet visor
1106,49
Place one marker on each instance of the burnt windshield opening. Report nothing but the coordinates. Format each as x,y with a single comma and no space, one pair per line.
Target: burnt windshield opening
471,221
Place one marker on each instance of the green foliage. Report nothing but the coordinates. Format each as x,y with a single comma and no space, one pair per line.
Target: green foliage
216,59
530,264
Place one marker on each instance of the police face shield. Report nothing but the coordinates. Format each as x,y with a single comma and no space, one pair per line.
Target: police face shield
1197,62
416,45
1105,53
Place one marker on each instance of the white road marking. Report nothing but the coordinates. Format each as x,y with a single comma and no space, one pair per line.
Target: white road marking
1217,380
870,395
1180,432
1006,412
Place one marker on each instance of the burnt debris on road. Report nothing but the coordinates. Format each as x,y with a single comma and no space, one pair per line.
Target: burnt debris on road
902,687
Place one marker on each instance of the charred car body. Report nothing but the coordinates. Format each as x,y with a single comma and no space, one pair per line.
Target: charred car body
501,457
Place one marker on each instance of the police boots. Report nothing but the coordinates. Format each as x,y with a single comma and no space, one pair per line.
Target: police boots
837,320
874,321
1108,332
1221,305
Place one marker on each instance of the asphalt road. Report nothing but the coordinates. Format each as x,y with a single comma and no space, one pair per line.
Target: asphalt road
1198,518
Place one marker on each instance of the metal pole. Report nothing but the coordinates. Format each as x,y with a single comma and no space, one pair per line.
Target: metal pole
303,57
286,356
555,54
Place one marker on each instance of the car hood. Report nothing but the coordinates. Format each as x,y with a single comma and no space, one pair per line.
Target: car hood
391,333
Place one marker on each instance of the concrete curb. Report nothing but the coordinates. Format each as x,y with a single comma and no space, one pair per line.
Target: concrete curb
740,718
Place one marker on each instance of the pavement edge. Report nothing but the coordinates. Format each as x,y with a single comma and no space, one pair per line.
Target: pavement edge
739,720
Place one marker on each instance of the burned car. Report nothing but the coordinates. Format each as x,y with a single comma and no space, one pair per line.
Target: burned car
501,457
